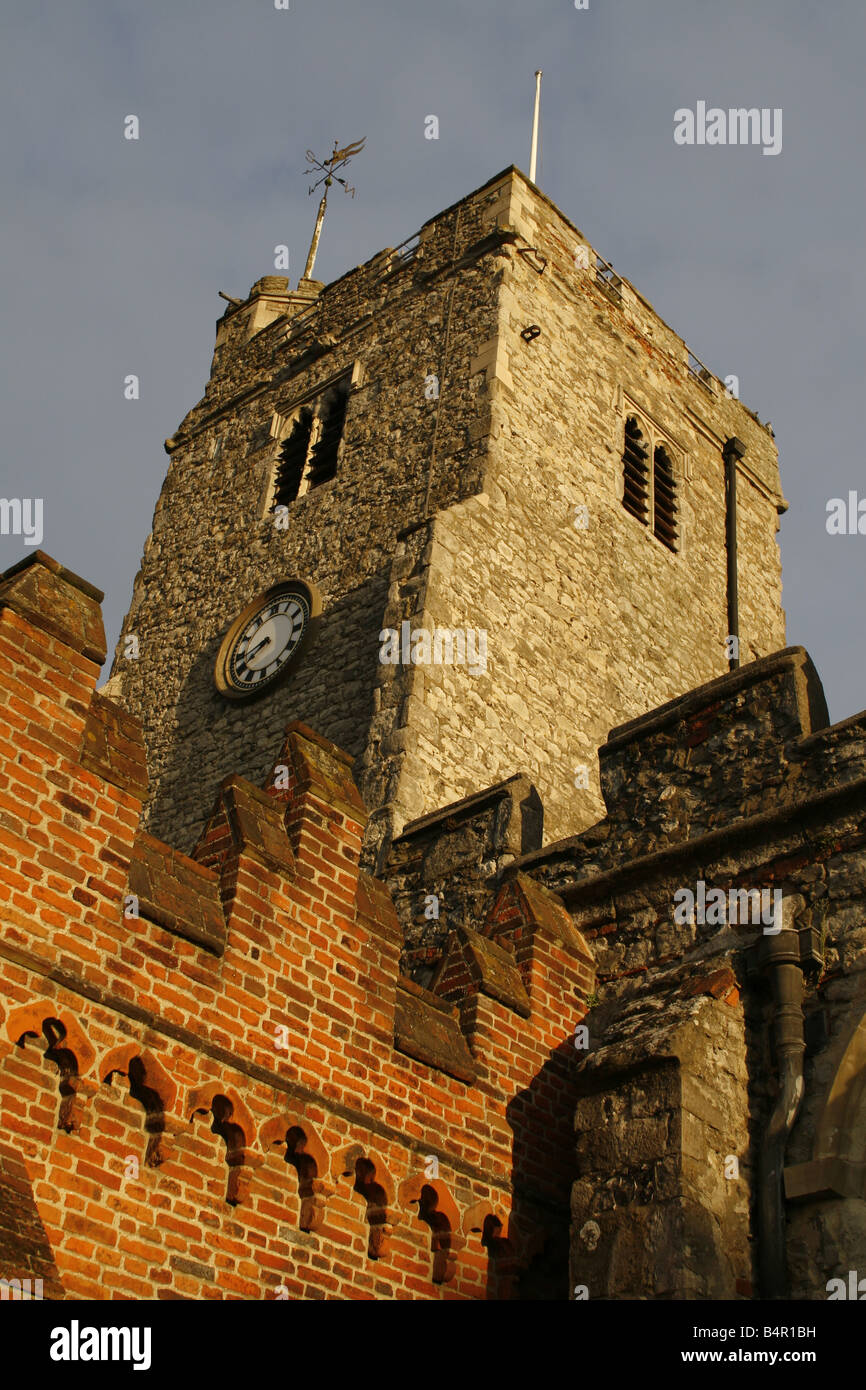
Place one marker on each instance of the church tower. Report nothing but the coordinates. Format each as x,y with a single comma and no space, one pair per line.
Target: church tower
461,512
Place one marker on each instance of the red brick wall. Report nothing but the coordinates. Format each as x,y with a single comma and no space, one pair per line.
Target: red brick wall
231,1093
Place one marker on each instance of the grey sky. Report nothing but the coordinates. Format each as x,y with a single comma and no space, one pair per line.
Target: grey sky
113,251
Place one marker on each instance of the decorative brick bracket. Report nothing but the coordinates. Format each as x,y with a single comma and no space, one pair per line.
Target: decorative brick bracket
373,1182
68,1048
153,1088
233,1122
304,1151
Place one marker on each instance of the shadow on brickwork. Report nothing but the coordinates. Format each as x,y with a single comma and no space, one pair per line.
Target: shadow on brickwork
25,1250
541,1117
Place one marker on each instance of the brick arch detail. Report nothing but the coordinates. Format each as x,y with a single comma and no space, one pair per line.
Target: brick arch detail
153,1088
232,1121
68,1048
305,1152
373,1182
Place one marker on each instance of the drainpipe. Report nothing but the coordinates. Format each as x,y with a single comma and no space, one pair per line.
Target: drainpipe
779,956
734,449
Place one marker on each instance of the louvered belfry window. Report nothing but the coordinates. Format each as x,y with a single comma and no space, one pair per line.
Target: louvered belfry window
292,460
309,452
635,471
664,498
650,479
332,416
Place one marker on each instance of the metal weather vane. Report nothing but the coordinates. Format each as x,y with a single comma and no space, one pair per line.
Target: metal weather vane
338,160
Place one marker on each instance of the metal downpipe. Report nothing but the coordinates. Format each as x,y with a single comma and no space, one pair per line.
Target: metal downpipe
780,958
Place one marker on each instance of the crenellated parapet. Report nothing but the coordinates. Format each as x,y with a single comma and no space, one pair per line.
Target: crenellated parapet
217,1078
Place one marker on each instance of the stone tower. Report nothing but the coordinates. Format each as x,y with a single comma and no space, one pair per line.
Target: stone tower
459,512
488,486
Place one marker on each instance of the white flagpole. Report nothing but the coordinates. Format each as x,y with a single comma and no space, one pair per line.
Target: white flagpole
533,157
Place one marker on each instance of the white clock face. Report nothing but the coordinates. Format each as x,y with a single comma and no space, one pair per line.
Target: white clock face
259,648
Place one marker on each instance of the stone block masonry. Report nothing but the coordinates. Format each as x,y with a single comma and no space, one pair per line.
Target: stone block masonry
696,1176
492,505
214,1083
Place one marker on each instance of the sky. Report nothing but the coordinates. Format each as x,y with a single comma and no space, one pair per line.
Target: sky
112,251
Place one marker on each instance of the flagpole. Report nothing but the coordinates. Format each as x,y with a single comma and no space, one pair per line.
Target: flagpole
533,156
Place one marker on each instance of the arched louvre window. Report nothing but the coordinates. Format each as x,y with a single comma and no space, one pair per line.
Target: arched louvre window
332,416
664,498
292,460
309,453
635,465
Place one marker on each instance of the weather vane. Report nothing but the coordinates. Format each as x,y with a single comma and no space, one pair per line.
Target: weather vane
338,160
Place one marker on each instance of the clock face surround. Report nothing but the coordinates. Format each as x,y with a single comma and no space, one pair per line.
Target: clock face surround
260,645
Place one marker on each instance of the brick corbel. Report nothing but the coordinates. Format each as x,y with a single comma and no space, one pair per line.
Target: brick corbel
374,1184
438,1210
72,1052
30,1019
476,1216
304,1151
234,1123
492,1225
149,1075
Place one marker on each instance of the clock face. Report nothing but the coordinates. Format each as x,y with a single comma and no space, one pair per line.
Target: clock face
260,644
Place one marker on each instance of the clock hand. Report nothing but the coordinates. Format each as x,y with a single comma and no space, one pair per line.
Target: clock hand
264,642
